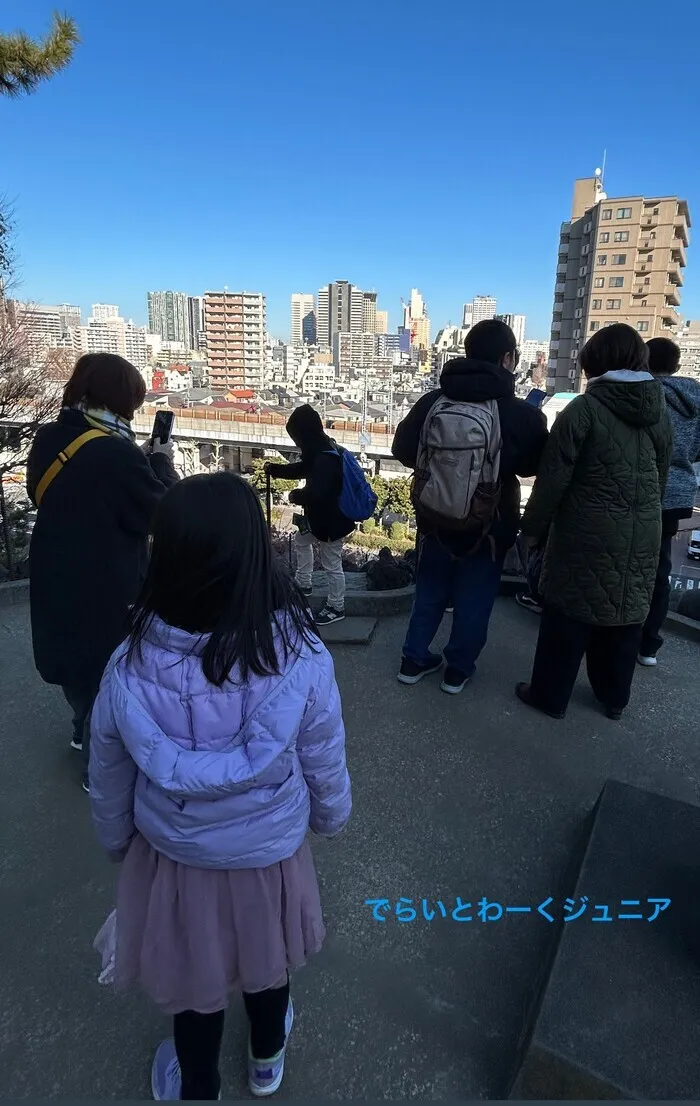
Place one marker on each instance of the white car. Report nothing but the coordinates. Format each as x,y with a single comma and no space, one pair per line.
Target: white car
694,546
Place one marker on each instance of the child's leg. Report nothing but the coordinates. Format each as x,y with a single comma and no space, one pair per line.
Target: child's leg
198,1044
266,1012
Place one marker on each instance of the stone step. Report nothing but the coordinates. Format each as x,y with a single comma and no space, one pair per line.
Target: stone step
618,1015
351,631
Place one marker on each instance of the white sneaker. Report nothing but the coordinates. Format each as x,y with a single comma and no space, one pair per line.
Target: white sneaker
647,662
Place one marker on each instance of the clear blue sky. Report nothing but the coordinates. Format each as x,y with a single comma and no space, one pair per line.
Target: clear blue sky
276,146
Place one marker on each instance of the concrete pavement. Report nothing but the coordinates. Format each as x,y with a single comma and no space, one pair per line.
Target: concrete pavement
472,796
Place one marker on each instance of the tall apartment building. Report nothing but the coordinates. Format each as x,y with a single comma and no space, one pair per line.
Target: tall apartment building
341,309
109,333
303,319
168,316
517,325
369,324
101,312
234,328
480,308
689,343
620,261
382,322
46,326
417,323
195,322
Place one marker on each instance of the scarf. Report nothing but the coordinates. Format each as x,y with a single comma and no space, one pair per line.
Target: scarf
102,419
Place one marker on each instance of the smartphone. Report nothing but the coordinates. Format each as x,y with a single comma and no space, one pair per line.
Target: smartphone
536,397
163,426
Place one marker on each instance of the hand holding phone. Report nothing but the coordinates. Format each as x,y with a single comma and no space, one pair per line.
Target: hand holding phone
163,426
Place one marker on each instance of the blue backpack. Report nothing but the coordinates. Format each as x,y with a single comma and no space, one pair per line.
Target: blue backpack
357,501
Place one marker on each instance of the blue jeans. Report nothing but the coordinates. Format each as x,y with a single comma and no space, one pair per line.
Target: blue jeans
470,586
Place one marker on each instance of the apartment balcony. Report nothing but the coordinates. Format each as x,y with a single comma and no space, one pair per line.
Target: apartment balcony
563,247
561,270
678,252
560,288
680,224
642,266
675,273
670,318
673,296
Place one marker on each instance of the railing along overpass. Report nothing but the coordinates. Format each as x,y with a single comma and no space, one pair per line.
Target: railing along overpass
255,431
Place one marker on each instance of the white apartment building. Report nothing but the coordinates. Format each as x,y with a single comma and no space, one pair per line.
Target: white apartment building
689,343
483,307
303,308
47,326
517,325
113,334
353,353
101,312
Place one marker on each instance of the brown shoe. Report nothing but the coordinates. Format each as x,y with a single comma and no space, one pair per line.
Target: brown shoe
525,696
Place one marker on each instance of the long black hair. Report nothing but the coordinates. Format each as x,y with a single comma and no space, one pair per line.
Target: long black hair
213,571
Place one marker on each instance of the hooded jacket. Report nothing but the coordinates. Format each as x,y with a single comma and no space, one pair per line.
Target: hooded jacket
599,488
321,466
523,430
229,777
683,405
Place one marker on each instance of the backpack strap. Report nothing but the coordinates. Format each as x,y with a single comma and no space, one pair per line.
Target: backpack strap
63,457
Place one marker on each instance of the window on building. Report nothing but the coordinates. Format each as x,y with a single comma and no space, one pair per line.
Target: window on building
652,234
599,282
643,326
610,322
656,211
605,237
596,305
644,303
602,259
607,213
616,282
594,326
647,280
619,259
623,213
613,305
622,236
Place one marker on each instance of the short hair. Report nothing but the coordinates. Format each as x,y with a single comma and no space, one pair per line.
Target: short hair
106,380
490,340
614,347
664,357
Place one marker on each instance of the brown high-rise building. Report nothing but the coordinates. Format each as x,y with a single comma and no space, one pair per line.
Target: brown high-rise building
234,328
620,261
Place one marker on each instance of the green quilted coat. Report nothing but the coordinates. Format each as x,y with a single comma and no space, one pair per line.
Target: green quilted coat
599,491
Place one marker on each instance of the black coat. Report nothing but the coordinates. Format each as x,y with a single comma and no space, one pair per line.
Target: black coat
523,430
322,469
89,547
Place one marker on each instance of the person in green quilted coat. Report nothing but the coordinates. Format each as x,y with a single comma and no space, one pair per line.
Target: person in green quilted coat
598,492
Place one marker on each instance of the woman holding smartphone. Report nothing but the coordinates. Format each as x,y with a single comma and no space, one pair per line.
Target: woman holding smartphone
96,492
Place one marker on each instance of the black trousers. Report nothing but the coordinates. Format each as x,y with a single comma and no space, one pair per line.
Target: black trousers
651,636
198,1040
611,657
80,698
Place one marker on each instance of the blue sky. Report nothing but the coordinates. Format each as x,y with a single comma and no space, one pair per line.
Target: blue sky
276,146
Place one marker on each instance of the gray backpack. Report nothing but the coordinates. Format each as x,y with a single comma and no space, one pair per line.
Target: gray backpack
456,481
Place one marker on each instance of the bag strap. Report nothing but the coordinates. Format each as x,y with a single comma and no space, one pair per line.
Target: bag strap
63,457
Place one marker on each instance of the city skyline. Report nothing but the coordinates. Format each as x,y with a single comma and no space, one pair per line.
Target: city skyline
488,221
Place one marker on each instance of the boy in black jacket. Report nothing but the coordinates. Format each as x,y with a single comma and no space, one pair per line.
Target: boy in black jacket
321,466
446,571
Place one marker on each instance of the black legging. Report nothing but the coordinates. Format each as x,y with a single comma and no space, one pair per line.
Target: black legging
198,1040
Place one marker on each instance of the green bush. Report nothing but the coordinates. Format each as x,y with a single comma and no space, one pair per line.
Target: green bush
377,540
368,526
397,531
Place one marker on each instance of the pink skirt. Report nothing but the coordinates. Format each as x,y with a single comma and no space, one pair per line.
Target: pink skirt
188,936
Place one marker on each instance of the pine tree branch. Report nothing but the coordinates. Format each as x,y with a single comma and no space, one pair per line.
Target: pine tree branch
26,62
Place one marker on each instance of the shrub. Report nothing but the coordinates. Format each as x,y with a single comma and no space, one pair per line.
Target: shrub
397,531
368,526
376,540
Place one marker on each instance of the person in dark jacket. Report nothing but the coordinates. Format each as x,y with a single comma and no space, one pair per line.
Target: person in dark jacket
448,573
599,488
325,525
89,547
683,405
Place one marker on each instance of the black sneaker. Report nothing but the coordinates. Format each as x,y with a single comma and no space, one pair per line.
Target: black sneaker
77,745
524,694
329,615
454,681
526,600
86,786
305,591
411,673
